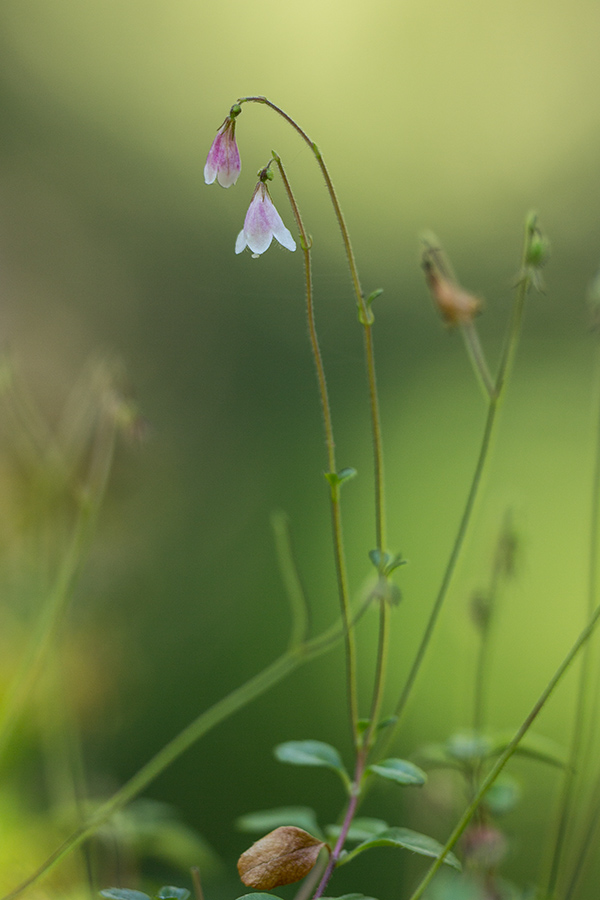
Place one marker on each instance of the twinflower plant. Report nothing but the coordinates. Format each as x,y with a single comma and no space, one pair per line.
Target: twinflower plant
294,844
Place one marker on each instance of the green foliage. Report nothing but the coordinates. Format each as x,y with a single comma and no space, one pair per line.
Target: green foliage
399,770
168,892
266,820
312,753
363,828
123,894
405,839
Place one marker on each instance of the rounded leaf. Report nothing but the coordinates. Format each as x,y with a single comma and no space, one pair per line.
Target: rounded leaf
281,857
123,894
168,892
361,829
399,770
310,753
406,839
265,820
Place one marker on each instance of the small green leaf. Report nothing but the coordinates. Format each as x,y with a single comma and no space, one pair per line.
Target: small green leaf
467,747
380,560
336,479
258,895
436,756
387,722
349,897
502,796
268,819
362,829
124,894
312,753
532,746
374,295
406,839
172,893
394,563
399,770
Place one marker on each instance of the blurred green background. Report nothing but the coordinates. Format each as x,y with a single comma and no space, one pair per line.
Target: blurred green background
458,117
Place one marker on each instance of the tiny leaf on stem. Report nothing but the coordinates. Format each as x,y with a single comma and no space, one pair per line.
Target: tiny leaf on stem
533,746
282,857
267,819
399,770
172,893
312,753
362,829
123,894
406,839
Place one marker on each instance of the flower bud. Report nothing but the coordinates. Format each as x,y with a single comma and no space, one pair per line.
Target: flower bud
455,305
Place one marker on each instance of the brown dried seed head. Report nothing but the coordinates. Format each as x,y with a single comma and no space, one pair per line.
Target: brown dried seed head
280,857
454,304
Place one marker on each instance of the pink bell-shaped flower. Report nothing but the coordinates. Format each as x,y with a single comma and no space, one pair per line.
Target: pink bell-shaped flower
223,160
262,224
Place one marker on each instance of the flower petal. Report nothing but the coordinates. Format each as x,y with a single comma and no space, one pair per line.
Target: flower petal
261,224
240,243
223,160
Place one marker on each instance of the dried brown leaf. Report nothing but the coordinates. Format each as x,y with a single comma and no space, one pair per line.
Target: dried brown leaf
280,857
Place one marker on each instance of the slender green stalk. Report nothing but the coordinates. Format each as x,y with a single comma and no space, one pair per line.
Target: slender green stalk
366,319
200,726
477,357
508,752
334,484
568,786
291,579
366,316
59,596
494,404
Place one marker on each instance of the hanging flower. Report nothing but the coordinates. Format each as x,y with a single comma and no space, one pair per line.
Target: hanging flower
223,160
262,224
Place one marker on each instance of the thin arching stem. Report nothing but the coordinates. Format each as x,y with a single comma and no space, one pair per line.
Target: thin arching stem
200,726
365,314
366,318
334,483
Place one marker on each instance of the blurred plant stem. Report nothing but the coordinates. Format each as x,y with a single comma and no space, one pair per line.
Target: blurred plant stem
236,700
565,806
333,479
493,408
489,779
365,315
89,501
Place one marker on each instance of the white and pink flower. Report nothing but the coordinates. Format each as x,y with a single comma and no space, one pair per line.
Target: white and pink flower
262,224
223,160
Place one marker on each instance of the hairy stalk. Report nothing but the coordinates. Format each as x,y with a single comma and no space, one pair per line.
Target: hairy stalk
347,822
566,798
60,594
200,726
366,319
508,752
334,484
494,405
365,313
